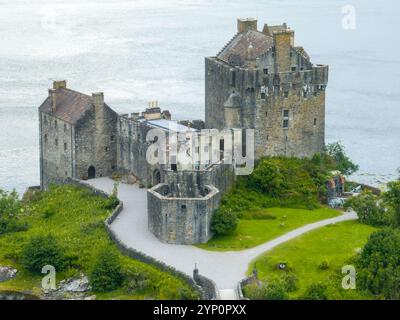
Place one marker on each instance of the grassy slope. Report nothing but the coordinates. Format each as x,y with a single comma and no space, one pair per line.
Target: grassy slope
253,232
77,223
335,244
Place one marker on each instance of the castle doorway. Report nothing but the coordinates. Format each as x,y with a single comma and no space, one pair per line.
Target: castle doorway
91,172
156,177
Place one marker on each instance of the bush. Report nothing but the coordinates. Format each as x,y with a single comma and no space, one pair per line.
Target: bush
276,290
379,264
223,222
290,281
254,292
111,202
107,272
369,209
317,291
324,265
284,178
137,282
41,251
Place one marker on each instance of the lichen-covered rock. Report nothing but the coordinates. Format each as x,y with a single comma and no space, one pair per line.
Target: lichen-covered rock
75,285
7,273
70,289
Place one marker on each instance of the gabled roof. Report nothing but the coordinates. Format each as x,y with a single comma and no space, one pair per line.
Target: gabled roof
235,52
70,105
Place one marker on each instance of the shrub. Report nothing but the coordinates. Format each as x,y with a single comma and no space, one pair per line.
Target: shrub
137,282
111,202
369,210
324,265
107,273
276,290
379,264
316,291
223,221
41,251
290,282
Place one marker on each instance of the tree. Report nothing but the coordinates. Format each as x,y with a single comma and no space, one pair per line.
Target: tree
392,198
107,272
10,207
223,221
343,163
379,264
41,251
369,209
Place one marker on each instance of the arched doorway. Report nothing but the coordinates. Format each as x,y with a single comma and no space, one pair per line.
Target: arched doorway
91,172
156,177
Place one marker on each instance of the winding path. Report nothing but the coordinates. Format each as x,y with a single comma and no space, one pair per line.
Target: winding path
226,268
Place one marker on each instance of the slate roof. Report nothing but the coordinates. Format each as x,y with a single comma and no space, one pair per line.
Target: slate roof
234,53
70,105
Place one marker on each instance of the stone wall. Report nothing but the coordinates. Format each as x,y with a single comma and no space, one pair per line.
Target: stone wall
57,150
96,139
131,150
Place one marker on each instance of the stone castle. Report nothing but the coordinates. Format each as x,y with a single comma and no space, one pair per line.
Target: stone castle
260,80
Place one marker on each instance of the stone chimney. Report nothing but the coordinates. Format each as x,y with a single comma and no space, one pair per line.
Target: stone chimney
62,84
283,40
98,100
53,99
244,25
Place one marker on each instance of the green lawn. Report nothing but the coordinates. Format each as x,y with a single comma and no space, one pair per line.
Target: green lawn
252,232
76,218
335,244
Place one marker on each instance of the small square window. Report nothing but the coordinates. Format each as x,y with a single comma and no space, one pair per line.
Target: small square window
262,95
65,127
112,138
55,124
56,142
285,123
265,70
294,68
315,121
106,149
65,146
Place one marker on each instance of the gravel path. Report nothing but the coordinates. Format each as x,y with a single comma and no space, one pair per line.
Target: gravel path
225,268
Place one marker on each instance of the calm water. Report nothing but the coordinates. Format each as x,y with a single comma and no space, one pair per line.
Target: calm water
136,51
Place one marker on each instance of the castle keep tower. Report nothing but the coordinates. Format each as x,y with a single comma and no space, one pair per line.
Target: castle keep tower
260,80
